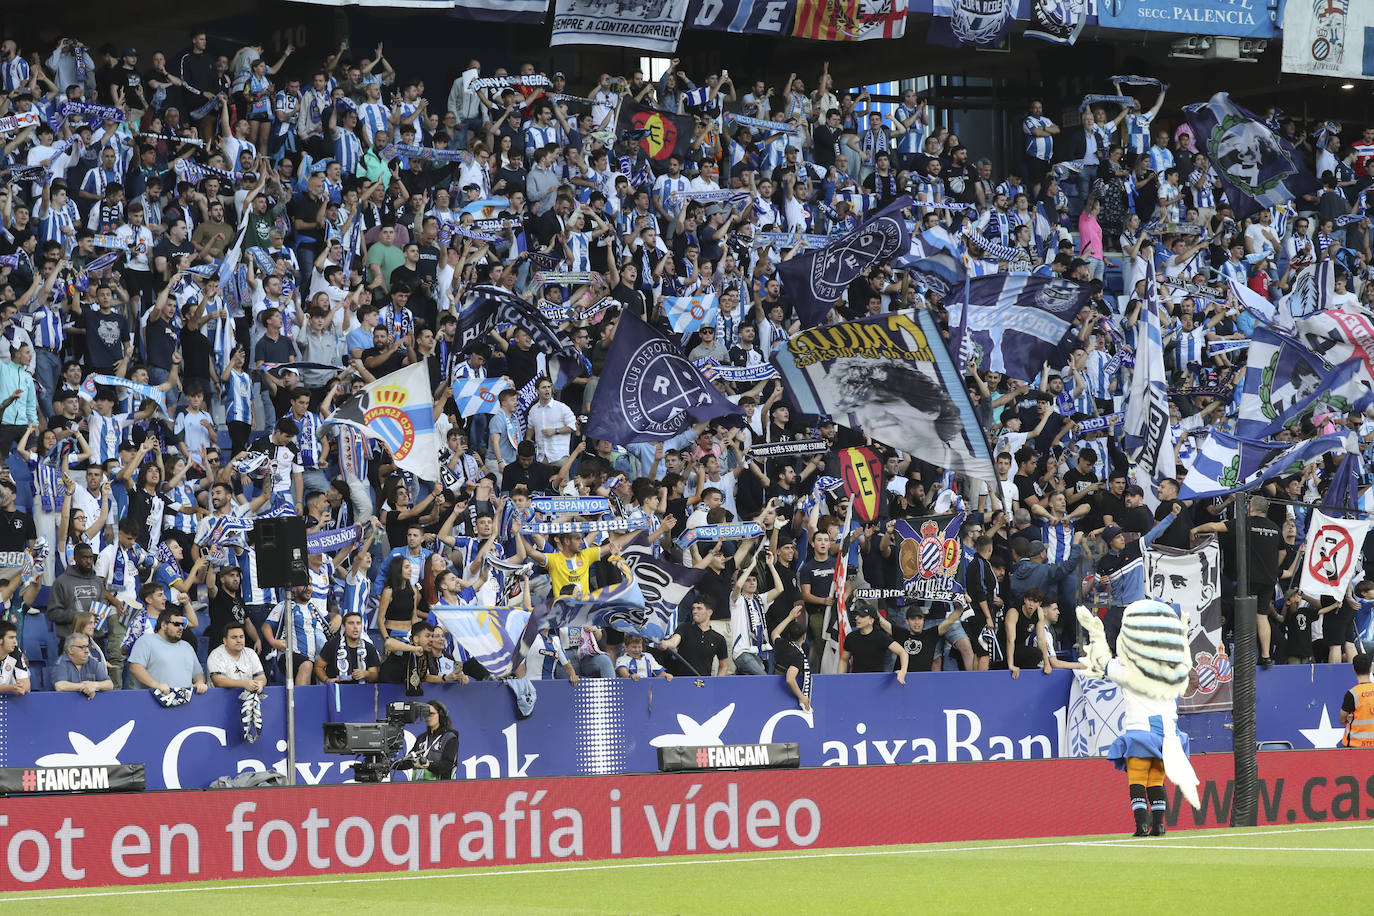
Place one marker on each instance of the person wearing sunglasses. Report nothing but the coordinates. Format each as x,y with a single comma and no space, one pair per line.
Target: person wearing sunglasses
162,661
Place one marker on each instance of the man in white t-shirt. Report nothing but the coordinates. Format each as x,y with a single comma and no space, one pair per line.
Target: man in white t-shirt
14,668
551,425
231,665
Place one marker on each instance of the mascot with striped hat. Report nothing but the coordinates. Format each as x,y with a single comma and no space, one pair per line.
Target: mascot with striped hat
1153,667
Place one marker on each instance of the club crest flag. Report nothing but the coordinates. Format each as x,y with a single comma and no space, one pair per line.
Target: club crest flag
668,134
1332,38
1284,380
972,23
646,25
690,313
650,391
862,472
850,20
477,395
1058,21
398,410
1334,548
816,280
1011,323
891,377
499,638
1258,168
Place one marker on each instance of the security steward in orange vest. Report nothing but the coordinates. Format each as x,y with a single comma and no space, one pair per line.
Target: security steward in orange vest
1357,709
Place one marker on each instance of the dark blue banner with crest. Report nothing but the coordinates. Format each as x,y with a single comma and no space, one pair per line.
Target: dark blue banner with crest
1012,322
816,280
650,391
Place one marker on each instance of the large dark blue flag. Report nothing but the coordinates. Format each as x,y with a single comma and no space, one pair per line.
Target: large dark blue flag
1012,322
650,391
1258,168
816,280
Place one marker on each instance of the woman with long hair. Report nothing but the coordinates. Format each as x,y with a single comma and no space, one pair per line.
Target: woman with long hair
435,754
401,603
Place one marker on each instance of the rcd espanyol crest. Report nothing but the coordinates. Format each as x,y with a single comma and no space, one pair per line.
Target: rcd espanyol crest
979,22
659,386
839,264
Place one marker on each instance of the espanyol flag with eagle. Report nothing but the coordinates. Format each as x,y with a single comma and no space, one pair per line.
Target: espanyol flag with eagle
398,410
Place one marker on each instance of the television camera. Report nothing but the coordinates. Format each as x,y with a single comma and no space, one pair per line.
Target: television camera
375,744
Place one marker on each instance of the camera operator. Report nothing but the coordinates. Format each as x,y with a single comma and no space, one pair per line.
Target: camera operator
435,754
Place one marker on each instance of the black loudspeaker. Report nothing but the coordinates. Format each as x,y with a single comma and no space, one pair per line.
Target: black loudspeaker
280,547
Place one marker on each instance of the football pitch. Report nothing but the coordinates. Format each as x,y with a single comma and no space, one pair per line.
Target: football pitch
1316,867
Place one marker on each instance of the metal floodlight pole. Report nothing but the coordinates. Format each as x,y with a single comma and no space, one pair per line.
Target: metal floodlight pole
1244,740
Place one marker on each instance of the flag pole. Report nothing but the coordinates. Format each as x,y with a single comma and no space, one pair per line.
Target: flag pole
1244,741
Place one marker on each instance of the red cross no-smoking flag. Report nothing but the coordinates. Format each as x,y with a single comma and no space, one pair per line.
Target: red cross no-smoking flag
1334,546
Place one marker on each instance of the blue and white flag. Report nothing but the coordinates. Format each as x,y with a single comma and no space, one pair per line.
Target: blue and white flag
665,585
690,313
486,307
939,272
1257,167
817,280
1011,323
649,390
1147,402
1313,289
1057,21
398,410
971,23
1285,380
478,395
499,638
1261,306
1228,464
620,607
695,98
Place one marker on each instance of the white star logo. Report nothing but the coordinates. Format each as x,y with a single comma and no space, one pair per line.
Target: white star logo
89,753
1325,734
694,733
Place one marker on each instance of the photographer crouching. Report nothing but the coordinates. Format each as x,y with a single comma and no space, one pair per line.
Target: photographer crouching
435,754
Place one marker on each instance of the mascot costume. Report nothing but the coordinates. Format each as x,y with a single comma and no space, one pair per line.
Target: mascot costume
1153,667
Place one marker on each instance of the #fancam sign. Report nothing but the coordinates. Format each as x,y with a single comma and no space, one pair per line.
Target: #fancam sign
729,757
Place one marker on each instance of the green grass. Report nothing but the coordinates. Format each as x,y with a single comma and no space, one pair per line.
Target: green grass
1316,868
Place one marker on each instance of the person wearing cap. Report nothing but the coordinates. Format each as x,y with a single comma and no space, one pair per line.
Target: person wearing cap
865,646
919,638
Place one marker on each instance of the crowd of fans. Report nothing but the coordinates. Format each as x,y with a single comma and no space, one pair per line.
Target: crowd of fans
358,249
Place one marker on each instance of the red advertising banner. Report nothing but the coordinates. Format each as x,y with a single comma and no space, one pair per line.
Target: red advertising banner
205,835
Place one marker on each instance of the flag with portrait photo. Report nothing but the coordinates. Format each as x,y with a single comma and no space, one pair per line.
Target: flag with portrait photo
1285,381
1147,402
398,410
1258,168
891,377
477,395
